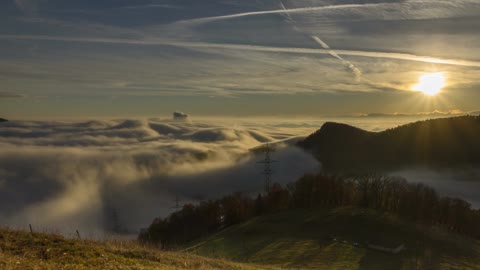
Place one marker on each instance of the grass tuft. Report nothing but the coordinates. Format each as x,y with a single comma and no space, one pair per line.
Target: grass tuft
20,250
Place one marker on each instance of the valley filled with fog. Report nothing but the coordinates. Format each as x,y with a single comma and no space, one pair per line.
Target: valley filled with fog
66,175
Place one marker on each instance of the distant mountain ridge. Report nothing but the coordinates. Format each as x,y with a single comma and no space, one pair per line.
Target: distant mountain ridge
3,120
437,142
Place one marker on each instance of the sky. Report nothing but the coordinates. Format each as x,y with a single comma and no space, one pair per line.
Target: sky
289,58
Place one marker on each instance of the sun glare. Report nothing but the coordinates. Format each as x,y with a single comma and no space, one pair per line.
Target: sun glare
431,83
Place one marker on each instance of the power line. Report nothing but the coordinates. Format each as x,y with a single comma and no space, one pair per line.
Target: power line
177,203
267,169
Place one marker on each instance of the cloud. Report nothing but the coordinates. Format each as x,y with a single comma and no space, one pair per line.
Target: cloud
356,71
432,113
447,182
67,175
75,175
10,95
248,50
396,10
474,112
279,11
28,6
167,6
180,116
203,45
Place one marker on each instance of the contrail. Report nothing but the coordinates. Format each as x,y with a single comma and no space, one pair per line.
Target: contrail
316,8
293,50
319,41
356,71
335,53
278,11
287,15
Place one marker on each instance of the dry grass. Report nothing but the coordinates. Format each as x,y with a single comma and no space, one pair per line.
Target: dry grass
23,250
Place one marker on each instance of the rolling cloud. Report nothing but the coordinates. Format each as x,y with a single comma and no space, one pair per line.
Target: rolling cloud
447,182
67,175
63,176
180,116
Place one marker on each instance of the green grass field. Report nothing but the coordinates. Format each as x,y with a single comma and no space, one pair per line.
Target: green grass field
24,251
287,240
305,240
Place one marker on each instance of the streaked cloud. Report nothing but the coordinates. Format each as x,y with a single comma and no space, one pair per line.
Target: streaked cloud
200,45
239,50
151,6
397,10
29,6
10,95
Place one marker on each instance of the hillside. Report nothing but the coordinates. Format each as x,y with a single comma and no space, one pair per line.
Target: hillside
437,142
3,120
337,239
24,251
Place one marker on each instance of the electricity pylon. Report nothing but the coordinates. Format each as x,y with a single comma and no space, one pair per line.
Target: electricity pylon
177,203
267,169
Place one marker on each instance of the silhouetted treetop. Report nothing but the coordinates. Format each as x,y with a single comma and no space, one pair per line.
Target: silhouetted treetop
413,202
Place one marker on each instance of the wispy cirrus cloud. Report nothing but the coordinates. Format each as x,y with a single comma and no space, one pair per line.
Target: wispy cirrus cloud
239,49
200,45
397,10
167,6
10,95
356,71
266,12
28,6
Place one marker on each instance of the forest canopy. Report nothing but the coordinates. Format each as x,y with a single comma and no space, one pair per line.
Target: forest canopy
411,201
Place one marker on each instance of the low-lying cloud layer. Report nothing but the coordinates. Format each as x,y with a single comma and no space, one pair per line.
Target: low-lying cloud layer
103,174
456,183
78,175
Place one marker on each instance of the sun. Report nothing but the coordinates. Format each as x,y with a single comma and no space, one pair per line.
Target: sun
431,83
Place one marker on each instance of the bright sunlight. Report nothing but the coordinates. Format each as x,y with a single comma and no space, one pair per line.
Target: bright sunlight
431,83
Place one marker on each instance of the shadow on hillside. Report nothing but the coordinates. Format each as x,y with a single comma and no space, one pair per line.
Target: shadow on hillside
377,260
427,258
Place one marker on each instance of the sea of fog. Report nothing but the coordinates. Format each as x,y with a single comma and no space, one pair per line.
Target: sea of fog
62,176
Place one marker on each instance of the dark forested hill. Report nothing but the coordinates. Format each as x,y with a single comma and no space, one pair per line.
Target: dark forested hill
329,222
438,142
3,120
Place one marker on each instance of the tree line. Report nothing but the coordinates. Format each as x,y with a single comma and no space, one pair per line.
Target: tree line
413,201
435,142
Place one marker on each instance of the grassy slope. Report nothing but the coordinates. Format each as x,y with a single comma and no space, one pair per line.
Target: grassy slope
302,239
21,250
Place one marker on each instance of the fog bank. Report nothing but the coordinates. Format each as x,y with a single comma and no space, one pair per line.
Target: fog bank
99,175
